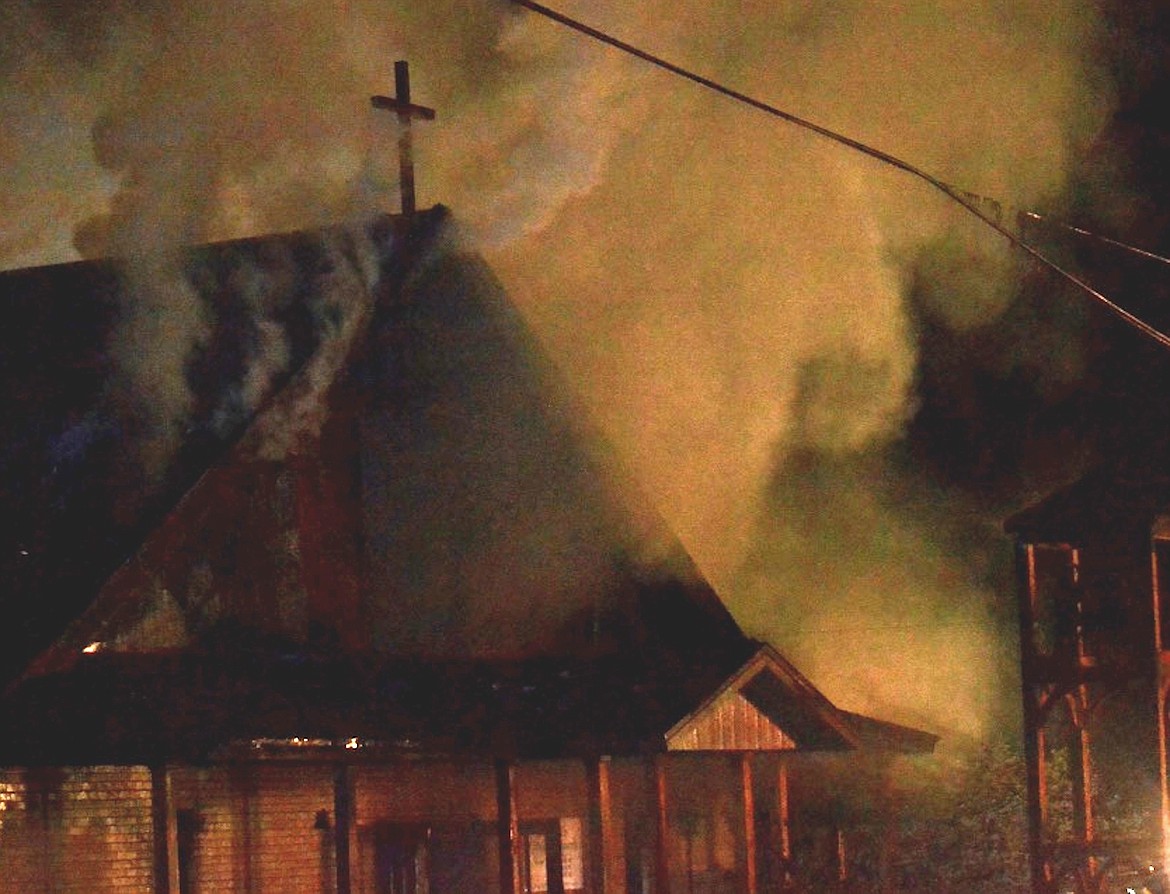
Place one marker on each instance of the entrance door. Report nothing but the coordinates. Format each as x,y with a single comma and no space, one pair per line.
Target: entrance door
400,859
542,870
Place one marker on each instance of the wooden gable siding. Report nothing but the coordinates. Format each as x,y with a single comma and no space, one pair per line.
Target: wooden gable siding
730,723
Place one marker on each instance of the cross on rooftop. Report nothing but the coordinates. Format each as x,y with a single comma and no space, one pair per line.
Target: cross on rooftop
400,104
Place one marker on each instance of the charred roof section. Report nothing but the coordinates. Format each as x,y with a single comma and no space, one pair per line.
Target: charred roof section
76,498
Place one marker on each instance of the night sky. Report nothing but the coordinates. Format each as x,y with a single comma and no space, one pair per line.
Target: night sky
833,383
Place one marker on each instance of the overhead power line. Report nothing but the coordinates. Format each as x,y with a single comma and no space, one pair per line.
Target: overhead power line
955,195
1023,218
1096,237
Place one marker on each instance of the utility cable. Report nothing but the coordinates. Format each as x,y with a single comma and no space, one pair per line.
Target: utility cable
1023,218
883,157
1096,237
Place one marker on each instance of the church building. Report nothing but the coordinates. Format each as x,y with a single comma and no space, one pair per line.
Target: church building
413,630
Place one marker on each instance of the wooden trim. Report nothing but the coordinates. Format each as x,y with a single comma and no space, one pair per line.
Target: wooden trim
749,823
842,856
1034,748
662,827
507,827
603,845
783,812
767,660
1160,657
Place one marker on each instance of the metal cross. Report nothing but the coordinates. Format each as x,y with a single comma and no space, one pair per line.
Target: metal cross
400,104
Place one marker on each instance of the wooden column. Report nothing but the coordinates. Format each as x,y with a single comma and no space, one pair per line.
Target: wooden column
751,885
662,838
783,814
165,832
1161,656
783,841
1164,756
1034,750
842,857
342,826
1081,771
603,845
507,827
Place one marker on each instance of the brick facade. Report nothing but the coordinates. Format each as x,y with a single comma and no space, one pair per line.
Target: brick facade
271,827
85,830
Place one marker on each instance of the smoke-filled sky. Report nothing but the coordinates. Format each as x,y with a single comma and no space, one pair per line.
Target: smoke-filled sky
832,382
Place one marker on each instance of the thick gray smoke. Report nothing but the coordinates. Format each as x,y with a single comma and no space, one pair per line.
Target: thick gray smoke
729,293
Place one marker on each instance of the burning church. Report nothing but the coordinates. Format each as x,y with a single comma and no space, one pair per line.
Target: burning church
409,628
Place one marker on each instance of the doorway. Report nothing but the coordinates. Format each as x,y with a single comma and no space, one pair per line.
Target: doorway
400,859
541,866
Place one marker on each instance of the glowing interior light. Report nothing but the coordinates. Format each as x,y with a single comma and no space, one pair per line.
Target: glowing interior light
95,646
351,742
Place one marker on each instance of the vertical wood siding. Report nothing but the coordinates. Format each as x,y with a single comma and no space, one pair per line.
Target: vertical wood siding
731,723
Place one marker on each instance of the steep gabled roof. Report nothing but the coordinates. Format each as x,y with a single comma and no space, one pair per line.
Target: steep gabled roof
493,519
419,539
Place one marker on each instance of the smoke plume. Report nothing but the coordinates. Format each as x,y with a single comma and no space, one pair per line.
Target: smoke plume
730,293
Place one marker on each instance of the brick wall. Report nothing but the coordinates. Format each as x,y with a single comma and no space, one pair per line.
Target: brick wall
269,828
207,818
88,830
84,830
255,828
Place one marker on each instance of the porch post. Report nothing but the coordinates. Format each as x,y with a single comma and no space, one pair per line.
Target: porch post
841,857
602,845
507,827
662,838
1034,745
342,823
749,823
1163,702
783,818
165,831
1081,771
